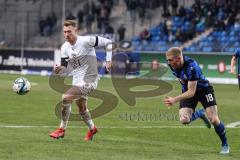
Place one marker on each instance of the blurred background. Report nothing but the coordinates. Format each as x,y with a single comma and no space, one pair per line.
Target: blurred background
208,30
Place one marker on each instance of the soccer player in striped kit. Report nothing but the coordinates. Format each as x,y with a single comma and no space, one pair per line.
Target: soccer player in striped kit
195,88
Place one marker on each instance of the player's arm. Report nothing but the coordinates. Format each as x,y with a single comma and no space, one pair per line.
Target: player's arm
58,69
192,86
233,63
107,44
193,75
234,60
97,41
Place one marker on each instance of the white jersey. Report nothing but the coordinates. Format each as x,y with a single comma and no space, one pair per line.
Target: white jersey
81,58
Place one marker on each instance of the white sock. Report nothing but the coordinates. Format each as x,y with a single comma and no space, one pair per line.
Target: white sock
65,115
87,119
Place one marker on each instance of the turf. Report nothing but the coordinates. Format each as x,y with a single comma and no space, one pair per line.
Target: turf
147,130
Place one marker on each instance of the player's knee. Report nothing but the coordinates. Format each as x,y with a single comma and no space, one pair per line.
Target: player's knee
184,119
66,99
214,120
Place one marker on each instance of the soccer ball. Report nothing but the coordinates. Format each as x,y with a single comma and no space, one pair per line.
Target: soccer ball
21,86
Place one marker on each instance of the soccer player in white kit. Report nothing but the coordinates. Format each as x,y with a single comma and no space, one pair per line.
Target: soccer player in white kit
78,54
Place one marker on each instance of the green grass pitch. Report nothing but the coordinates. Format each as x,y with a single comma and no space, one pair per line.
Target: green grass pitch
124,133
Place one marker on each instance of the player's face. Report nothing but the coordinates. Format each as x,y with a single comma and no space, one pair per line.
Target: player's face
70,33
174,61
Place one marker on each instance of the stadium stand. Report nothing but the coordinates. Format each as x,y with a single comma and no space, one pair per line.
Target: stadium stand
38,23
197,26
22,17
191,22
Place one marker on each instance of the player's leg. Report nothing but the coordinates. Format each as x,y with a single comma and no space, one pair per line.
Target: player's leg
86,89
208,100
84,112
187,114
67,99
200,113
219,127
86,116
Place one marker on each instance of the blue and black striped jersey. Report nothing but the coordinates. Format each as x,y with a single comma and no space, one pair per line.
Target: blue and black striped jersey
190,71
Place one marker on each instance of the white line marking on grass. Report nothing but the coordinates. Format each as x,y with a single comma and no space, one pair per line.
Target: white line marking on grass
33,83
109,127
233,125
11,82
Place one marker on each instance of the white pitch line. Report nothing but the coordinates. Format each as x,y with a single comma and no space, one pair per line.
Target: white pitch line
233,125
33,83
109,127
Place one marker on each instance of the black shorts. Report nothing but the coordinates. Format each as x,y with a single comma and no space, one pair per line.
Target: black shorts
205,96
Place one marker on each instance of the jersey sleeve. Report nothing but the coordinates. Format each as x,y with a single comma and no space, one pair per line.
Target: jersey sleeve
194,73
64,56
64,51
92,41
237,53
97,41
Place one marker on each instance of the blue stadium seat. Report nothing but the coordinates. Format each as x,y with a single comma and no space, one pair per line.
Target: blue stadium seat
137,47
186,49
177,43
232,33
223,33
229,49
164,38
236,44
232,39
136,38
192,49
174,29
210,38
215,33
207,49
162,48
162,43
176,19
156,38
237,28
201,44
224,39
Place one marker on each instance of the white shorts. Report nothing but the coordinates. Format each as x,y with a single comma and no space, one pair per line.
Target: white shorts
86,88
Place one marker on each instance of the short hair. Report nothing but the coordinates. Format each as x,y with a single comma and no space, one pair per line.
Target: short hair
70,23
174,51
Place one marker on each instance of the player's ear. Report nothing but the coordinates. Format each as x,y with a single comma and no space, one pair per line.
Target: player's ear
77,31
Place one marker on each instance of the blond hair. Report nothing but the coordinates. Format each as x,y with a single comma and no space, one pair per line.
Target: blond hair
174,51
70,23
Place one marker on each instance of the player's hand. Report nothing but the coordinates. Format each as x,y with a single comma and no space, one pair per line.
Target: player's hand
232,71
58,69
108,66
169,101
